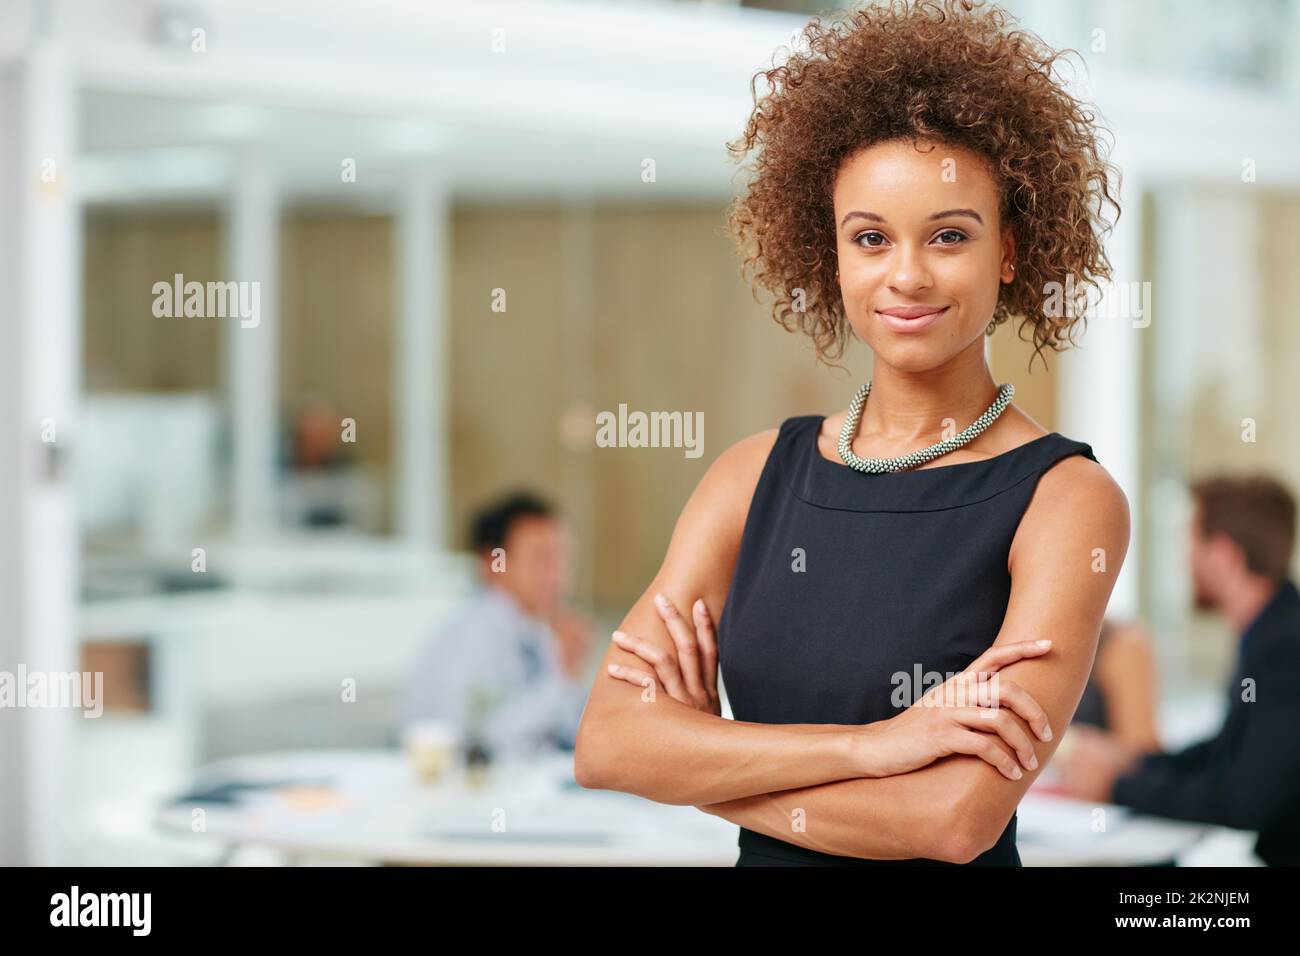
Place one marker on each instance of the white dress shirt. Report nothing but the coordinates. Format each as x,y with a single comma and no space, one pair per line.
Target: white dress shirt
491,657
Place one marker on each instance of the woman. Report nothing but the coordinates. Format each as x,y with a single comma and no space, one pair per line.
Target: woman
1119,700
919,178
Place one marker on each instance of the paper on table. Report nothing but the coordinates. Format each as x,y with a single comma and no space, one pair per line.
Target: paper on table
596,818
1060,821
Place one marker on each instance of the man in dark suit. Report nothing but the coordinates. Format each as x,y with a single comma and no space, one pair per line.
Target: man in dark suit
1248,775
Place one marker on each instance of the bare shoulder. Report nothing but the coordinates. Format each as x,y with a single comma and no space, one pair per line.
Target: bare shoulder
724,493
731,478
1079,482
741,463
706,539
1077,504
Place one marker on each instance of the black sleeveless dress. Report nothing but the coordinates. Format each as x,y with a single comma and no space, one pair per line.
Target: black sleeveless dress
850,588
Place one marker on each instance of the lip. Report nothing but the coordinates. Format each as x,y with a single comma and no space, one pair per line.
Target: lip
912,319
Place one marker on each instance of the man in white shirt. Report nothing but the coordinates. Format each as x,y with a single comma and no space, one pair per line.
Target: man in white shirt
507,669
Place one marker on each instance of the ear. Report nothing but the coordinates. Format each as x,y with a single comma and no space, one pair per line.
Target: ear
1008,273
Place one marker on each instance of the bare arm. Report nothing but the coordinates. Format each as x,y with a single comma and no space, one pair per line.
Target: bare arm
659,748
957,807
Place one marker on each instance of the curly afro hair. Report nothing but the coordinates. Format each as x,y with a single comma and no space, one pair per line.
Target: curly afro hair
948,71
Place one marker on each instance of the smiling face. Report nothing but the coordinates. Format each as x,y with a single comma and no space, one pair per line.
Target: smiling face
921,251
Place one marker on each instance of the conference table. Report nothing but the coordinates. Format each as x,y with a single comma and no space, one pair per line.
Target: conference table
371,807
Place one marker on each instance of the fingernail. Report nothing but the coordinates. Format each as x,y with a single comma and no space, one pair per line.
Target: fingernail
619,635
1017,774
661,600
1043,643
699,604
1047,733
1033,762
612,668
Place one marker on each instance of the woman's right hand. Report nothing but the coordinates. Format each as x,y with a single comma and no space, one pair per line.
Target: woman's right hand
687,666
962,716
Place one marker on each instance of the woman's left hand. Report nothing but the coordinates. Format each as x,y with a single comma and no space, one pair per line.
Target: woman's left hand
686,666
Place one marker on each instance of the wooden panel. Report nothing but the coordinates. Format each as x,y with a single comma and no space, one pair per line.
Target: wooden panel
506,396
125,347
637,304
632,304
336,323
678,330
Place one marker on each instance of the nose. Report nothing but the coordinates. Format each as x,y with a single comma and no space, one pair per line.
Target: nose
908,273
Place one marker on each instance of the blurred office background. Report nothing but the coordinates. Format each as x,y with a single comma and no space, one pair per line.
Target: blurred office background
384,169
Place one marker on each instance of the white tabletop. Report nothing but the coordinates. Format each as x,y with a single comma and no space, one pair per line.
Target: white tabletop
1053,830
376,810
523,814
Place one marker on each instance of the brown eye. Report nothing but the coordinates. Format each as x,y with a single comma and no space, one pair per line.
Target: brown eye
869,234
957,233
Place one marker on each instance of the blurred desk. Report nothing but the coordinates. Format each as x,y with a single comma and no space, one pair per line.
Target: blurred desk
1054,830
368,806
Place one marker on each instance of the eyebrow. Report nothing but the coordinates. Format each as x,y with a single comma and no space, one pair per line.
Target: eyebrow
874,217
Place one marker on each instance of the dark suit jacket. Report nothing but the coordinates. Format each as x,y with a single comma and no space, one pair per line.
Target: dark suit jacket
1248,775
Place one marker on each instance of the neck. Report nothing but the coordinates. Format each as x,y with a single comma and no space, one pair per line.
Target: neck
1242,604
909,407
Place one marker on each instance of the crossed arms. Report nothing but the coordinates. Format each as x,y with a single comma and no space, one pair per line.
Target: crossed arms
765,776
